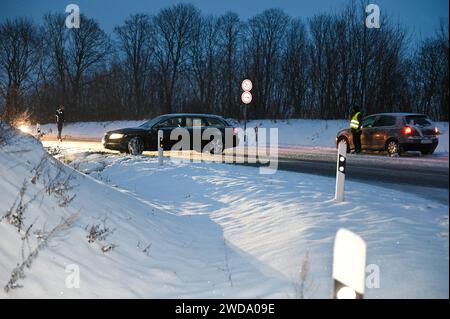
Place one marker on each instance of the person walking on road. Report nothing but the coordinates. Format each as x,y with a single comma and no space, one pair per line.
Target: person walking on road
355,125
60,120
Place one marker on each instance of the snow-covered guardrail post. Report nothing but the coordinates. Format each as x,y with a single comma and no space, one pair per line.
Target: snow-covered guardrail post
160,147
340,171
349,265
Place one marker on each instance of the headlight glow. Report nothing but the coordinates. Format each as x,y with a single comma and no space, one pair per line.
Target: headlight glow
24,128
116,136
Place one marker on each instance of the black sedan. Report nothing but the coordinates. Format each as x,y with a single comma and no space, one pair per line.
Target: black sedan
184,131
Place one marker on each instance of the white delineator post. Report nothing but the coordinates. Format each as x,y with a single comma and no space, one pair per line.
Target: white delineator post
246,98
160,147
349,265
340,171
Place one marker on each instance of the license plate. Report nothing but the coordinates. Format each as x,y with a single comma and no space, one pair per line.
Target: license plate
426,141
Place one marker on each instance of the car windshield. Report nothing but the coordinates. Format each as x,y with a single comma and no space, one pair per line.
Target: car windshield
151,122
418,120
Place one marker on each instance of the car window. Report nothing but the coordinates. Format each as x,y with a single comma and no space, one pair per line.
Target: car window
418,120
211,121
195,122
384,120
368,121
151,122
173,122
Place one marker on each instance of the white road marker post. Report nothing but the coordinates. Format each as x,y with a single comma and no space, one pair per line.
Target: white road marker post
340,171
246,98
160,147
349,265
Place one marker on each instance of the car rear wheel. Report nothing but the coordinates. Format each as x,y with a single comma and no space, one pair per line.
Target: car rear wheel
135,146
393,148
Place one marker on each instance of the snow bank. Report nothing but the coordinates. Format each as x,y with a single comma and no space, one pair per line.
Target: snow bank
200,230
137,249
297,132
275,221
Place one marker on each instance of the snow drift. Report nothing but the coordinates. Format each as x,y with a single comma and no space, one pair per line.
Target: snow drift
57,223
199,230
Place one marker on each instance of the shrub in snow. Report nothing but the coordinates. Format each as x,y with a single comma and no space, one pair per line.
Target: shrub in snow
98,234
19,271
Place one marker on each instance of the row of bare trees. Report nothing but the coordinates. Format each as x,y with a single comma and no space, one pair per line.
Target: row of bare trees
181,60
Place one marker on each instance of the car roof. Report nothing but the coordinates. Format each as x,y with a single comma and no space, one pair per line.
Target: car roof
398,114
191,114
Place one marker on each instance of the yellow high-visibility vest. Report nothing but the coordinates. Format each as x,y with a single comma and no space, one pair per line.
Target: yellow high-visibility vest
354,123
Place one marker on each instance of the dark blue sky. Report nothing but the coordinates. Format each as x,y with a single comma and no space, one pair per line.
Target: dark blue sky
420,17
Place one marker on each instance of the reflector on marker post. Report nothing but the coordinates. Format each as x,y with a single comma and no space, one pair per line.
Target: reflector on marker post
160,147
349,265
340,171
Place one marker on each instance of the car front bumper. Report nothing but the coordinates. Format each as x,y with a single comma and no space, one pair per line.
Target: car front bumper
116,145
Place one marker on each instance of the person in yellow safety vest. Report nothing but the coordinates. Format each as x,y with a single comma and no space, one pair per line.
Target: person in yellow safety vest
355,125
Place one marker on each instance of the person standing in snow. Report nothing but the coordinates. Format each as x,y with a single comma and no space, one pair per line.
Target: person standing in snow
355,125
60,120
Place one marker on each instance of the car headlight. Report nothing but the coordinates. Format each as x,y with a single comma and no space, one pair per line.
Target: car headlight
115,136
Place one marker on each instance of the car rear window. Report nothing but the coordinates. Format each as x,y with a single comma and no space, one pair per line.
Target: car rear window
418,120
385,121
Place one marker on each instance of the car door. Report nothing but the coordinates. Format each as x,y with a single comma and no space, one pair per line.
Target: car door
166,127
382,130
197,128
367,132
217,129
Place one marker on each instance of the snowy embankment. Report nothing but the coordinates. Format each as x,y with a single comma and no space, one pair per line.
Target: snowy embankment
56,221
309,133
201,230
277,223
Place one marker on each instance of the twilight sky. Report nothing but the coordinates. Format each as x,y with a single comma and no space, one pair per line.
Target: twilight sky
420,17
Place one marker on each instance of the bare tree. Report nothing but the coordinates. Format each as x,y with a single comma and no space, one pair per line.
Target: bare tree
295,69
88,47
56,42
266,38
180,60
202,61
19,44
136,40
174,33
429,76
229,62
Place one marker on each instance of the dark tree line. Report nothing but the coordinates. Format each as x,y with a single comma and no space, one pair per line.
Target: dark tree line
182,61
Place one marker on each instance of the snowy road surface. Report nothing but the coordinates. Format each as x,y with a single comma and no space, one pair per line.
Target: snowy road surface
426,176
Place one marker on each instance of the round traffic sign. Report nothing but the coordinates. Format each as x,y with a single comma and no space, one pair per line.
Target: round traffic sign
246,97
247,85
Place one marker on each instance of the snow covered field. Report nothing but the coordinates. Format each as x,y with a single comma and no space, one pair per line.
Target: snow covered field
309,133
207,230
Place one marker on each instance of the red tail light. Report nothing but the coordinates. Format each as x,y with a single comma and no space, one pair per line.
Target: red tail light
235,130
407,130
436,131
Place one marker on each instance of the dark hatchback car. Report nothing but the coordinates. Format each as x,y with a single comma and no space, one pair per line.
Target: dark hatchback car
145,137
395,133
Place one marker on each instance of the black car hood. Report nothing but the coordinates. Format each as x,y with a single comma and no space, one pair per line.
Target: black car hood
129,130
